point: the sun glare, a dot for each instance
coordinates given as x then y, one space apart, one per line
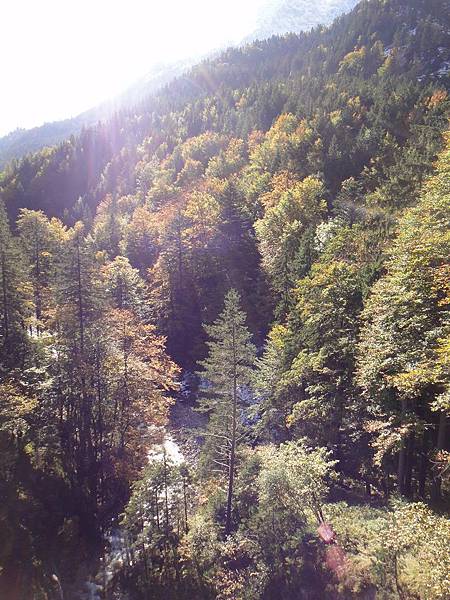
69 56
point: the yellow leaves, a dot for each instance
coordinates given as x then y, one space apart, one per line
203 212
58 230
280 183
277 336
310 194
437 98
192 170
15 405
228 161
203 147
325 278
77 230
282 144
143 233
281 228
130 336
255 138
139 375
336 117
357 108
304 201
303 132
160 193
405 341
285 124
441 283
353 61
410 382
215 186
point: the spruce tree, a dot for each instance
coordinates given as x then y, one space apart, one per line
15 299
227 371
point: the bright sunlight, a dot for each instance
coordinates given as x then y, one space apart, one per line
102 47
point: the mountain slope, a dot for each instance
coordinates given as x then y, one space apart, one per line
23 141
284 170
277 17
272 75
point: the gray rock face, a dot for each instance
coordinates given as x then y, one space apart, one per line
278 17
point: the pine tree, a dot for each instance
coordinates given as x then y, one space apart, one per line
80 303
15 298
274 406
227 371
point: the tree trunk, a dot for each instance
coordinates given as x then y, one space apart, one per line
166 495
410 446
5 299
402 456
186 528
440 445
233 441
423 467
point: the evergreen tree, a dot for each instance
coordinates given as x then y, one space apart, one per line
227 372
15 299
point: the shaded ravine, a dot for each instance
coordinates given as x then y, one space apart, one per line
116 556
173 438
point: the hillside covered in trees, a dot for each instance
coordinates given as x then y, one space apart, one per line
253 264
272 17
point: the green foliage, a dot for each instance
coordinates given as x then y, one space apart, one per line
227 371
285 236
231 355
318 383
406 322
294 172
293 478
15 298
125 287
273 408
279 491
400 551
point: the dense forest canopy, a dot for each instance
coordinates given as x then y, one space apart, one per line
258 257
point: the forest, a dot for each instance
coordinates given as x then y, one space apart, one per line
225 330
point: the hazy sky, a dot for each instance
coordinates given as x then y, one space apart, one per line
61 57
